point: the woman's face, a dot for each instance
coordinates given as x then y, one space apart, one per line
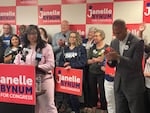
72 38
15 41
97 38
32 36
90 34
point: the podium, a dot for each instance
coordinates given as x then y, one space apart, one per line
17 88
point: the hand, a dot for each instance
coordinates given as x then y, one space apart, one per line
103 68
66 64
68 67
108 49
142 27
61 42
98 59
112 56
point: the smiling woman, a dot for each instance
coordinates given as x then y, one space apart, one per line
12 50
73 56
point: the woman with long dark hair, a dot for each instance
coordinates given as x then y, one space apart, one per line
40 54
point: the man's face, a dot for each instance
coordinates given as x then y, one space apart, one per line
6 29
119 32
64 27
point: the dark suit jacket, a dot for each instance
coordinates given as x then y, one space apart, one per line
129 75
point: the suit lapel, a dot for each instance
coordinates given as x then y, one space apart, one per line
128 43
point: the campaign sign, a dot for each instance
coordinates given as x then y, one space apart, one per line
133 28
146 11
80 28
99 13
26 2
69 80
17 84
109 70
73 1
8 15
49 14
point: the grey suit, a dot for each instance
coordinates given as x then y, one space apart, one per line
129 80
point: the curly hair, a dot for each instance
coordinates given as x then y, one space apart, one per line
78 38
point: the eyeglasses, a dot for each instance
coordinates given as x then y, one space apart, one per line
72 36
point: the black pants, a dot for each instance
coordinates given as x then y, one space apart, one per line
86 86
94 80
147 100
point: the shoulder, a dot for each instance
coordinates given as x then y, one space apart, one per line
47 47
81 47
135 39
57 34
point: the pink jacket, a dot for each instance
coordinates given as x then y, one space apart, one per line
46 63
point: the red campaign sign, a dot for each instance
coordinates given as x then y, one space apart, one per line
17 84
109 70
73 1
50 14
79 28
69 81
146 12
26 2
8 15
133 28
99 13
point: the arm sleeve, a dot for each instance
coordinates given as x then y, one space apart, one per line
48 58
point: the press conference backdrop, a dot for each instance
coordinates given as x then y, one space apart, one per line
81 14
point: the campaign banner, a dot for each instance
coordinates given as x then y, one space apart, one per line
73 1
146 11
69 80
8 15
78 28
49 14
99 13
26 2
17 84
133 28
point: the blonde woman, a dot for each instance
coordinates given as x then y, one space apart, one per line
74 56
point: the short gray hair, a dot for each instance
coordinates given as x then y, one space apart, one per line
102 33
92 28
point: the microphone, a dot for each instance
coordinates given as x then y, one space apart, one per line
38 57
13 51
20 48
25 51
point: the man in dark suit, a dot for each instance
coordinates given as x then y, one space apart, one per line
127 50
